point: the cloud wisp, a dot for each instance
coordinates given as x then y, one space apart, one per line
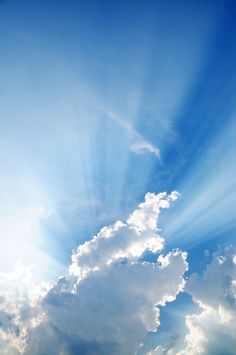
139 145
142 146
111 299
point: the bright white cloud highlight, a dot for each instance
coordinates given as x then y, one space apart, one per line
123 240
112 298
212 330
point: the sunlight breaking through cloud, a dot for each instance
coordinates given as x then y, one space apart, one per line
112 298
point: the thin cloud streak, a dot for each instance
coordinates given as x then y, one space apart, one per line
140 145
143 146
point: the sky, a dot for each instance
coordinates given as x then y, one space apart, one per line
118 175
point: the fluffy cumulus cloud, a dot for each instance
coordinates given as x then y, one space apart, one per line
212 330
20 299
111 299
123 240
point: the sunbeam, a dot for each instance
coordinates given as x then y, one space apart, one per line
117 184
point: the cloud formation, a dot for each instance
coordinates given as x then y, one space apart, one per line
123 240
110 301
212 330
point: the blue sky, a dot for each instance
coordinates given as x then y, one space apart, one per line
101 103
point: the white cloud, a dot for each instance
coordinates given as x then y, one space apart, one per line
118 304
123 240
142 146
212 330
20 299
112 298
